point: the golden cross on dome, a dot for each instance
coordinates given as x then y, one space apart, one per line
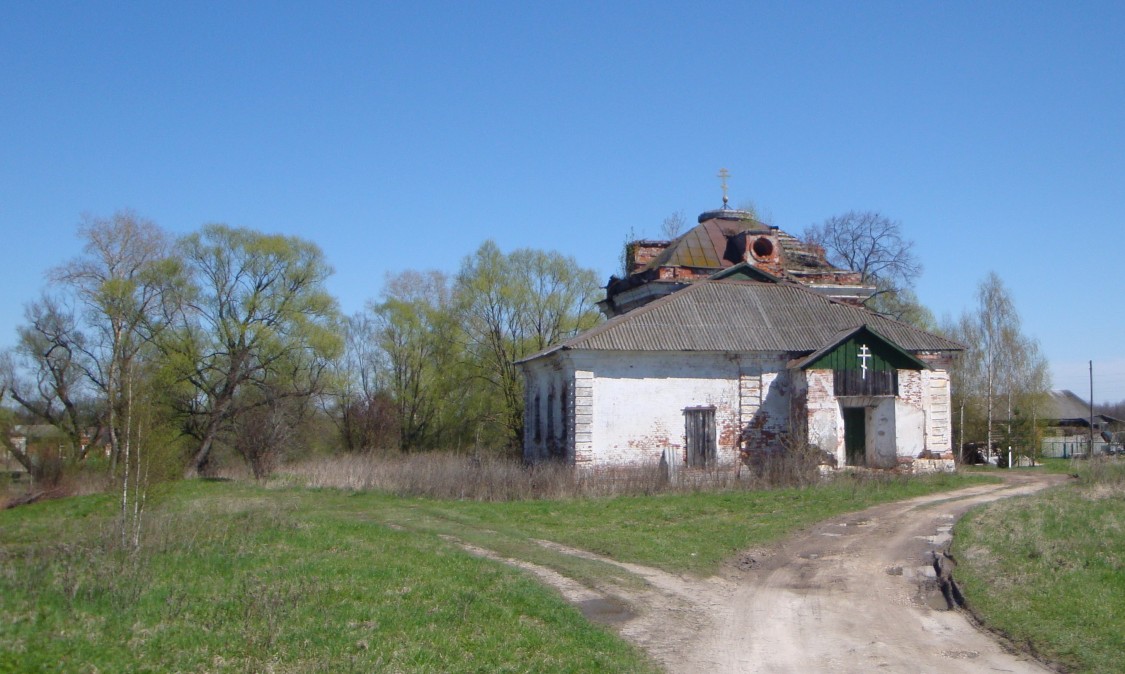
724 174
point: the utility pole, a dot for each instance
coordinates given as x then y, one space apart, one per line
1090 454
961 449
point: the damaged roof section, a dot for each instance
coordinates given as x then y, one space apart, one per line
723 239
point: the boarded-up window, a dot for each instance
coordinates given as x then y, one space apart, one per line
699 432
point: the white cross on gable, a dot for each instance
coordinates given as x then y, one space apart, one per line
863 355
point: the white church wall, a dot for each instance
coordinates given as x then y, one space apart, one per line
638 401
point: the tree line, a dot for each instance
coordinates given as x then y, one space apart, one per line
155 353
164 351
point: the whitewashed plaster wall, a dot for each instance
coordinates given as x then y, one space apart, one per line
923 410
881 429
939 407
939 420
768 388
910 410
898 429
637 402
613 408
825 420
882 432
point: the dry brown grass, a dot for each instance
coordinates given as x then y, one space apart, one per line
447 475
1102 477
24 491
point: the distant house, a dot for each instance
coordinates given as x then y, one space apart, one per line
708 371
35 440
29 438
1068 423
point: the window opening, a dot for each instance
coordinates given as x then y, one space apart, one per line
762 247
536 421
562 415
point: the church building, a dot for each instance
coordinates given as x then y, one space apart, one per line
737 340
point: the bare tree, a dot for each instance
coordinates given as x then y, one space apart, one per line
673 225
359 405
873 245
121 282
267 431
45 372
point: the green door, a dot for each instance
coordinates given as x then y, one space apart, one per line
855 435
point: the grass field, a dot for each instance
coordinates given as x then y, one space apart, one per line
1049 570
234 577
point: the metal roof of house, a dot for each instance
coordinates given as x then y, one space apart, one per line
1065 405
744 316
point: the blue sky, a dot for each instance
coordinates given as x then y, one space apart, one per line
402 135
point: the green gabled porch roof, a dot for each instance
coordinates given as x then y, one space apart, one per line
890 352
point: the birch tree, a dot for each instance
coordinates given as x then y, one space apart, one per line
1002 374
122 282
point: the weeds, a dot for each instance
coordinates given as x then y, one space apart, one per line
1104 472
445 475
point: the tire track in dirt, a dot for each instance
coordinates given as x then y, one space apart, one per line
856 593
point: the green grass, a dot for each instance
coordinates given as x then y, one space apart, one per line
235 578
1064 466
1049 569
691 533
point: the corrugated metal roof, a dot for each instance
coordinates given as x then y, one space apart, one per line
1065 405
744 316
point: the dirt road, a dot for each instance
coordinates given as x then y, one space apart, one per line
854 594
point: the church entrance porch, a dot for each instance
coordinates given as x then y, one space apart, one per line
867 426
